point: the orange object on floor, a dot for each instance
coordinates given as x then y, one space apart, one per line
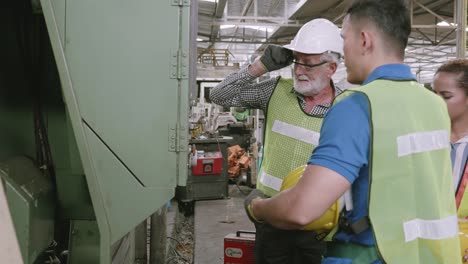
238 161
235 149
232 160
244 160
233 171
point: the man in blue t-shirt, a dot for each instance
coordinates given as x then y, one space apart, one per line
374 44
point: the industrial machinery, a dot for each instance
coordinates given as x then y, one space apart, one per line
94 136
207 177
213 129
205 117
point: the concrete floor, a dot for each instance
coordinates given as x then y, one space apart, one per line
214 219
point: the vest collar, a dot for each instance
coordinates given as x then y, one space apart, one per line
397 72
462 140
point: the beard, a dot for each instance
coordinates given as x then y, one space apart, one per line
309 88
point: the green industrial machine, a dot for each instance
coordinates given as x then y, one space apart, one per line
94 97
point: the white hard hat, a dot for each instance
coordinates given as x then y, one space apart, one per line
316 37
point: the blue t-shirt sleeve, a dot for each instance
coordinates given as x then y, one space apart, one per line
345 137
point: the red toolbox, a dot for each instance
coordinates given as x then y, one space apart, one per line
239 248
208 163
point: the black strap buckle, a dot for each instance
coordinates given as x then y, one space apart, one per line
357 227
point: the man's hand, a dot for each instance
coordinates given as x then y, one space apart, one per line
276 57
254 194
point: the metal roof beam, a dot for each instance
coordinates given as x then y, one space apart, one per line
219 11
220 6
255 24
429 11
460 10
434 5
247 42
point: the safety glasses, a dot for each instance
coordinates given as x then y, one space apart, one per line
309 67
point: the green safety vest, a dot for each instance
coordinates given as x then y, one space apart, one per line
290 136
411 202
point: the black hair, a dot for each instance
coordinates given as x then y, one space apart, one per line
390 17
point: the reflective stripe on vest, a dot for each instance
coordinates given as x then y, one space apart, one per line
431 229
299 133
411 203
290 137
422 141
270 181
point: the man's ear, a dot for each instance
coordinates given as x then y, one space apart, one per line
367 41
332 67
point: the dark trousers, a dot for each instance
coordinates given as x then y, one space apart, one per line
275 246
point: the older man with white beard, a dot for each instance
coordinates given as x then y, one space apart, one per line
294 112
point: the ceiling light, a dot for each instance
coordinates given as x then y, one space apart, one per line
213 1
268 29
445 24
226 26
199 39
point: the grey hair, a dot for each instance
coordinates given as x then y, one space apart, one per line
331 56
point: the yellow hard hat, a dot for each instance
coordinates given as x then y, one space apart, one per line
329 219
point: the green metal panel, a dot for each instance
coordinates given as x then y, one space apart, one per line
187 43
84 242
119 58
76 166
19 85
72 189
75 118
123 251
59 10
73 196
126 201
124 66
20 215
31 199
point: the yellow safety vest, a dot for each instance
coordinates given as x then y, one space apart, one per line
411 202
290 136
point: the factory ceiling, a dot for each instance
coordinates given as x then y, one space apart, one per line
243 28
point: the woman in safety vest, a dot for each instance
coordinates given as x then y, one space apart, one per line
451 83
